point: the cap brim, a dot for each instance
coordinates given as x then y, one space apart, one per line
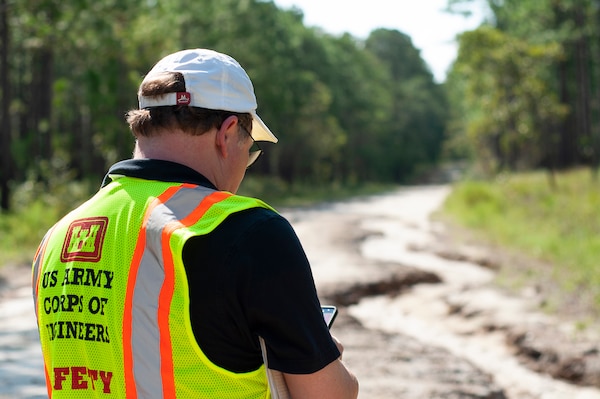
260 131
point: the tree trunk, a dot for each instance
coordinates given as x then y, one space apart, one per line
583 90
595 100
41 102
6 171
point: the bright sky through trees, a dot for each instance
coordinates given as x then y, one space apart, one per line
431 28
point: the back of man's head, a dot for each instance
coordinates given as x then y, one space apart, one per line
194 90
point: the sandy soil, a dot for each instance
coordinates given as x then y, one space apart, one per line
420 314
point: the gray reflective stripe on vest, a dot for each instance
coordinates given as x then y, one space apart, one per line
149 281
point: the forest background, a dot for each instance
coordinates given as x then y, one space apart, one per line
523 95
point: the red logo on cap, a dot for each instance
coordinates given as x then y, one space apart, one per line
184 98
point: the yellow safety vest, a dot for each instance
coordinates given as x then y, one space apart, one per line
112 299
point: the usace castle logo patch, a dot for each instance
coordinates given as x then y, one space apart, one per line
84 240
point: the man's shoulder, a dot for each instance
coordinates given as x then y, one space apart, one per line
246 230
254 226
255 218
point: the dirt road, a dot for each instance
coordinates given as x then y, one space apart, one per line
422 318
415 323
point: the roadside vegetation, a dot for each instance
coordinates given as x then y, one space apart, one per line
556 223
37 206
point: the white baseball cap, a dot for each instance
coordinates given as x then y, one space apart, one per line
214 81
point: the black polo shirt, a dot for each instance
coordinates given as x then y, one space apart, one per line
249 277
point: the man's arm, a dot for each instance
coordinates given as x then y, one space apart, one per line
288 315
333 381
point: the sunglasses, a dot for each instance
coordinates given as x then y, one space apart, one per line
254 152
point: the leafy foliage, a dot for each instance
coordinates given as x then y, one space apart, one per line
524 88
418 106
76 64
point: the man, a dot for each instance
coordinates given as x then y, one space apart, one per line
165 283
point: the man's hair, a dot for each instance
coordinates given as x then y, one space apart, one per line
193 120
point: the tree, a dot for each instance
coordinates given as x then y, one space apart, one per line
553 82
330 99
6 171
574 76
508 108
416 122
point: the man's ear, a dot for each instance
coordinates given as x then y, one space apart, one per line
225 134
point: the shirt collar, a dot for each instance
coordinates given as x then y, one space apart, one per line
155 169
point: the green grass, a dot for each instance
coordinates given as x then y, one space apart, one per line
35 209
21 232
560 225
